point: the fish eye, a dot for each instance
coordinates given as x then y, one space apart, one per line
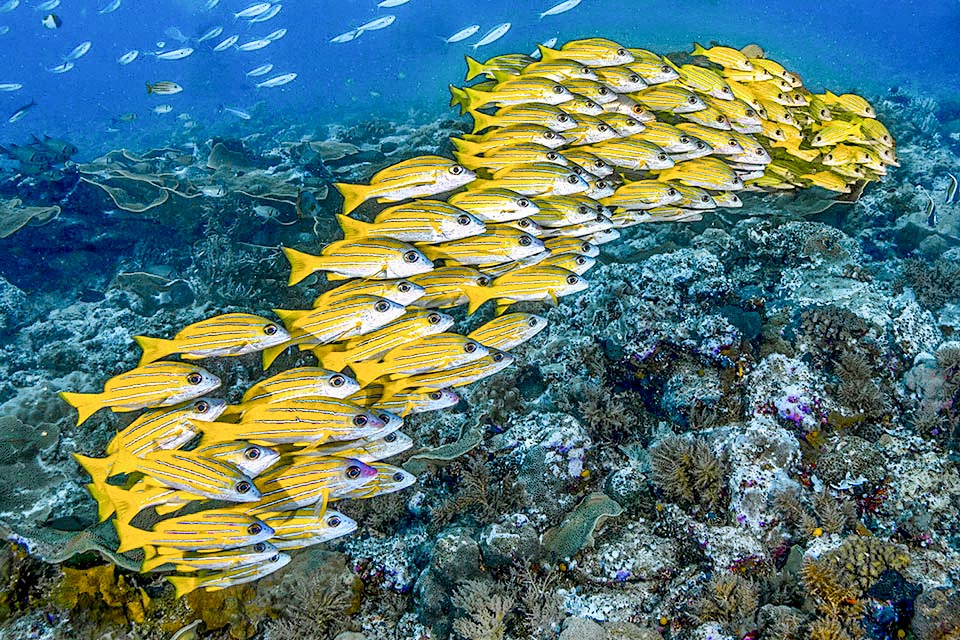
353 472
275 558
602 91
720 119
622 52
390 437
403 287
732 142
552 155
573 178
684 139
270 329
434 395
580 260
523 202
585 71
525 241
333 522
532 322
671 191
252 453
549 135
557 88
602 127
462 221
433 318
661 156
337 381
254 529
736 180
523 223
202 407
601 184
780 95
779 132
194 378
470 347
760 151
563 118
787 116
585 247
384 417
572 279
243 487
631 122
704 198
456 169
411 256
638 109
497 357
382 306
818 139
829 156
483 281
725 89
633 77
701 145
359 420
750 113
582 210
590 104
665 69
398 477
259 547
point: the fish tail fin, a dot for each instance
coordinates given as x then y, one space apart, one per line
466 146
330 358
474 68
153 348
105 504
232 410
366 372
353 194
149 88
183 584
353 228
470 162
149 564
458 97
97 468
86 404
476 296
391 388
289 316
301 264
481 120
125 505
547 54
698 49
130 537
272 353
124 461
500 75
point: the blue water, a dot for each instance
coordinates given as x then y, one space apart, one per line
863 46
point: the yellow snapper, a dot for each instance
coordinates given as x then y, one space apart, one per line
307 421
547 115
559 70
575 262
562 245
302 528
772 67
365 450
851 103
213 560
654 71
416 400
230 334
412 325
250 459
445 286
559 211
724 56
377 258
588 162
299 382
632 153
708 172
620 79
727 200
623 125
509 62
591 89
218 580
834 133
413 178
204 531
534 283
828 180
741 115
159 384
167 428
414 224
694 197
509 330
142 495
539 178
403 292
580 106
494 205
590 130
514 134
439 351
668 137
709 117
510 156
704 81
520 90
307 481
593 52
389 479
492 247
876 131
643 194
490 364
671 99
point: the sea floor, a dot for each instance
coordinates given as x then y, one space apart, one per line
748 427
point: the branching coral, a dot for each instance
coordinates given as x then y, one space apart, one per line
318 608
730 600
689 472
827 514
484 611
934 284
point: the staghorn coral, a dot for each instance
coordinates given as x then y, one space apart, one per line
827 629
934 284
689 472
732 601
484 611
826 514
318 609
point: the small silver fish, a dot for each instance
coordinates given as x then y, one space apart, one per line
175 54
377 24
276 35
128 57
346 36
22 111
210 34
61 68
240 113
278 81
493 35
110 8
260 71
254 45
79 51
253 10
227 43
266 15
463 34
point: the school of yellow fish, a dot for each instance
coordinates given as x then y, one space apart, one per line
566 150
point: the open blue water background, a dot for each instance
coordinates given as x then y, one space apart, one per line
867 46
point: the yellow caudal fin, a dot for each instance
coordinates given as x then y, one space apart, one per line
698 49
547 54
466 146
183 584
289 316
130 537
124 461
503 304
125 504
366 372
231 411
301 264
353 229
330 358
477 296
154 562
392 388
153 348
354 195
458 98
105 507
481 121
272 353
470 162
99 470
86 404
500 75
474 68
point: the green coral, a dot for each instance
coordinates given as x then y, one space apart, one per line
577 529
